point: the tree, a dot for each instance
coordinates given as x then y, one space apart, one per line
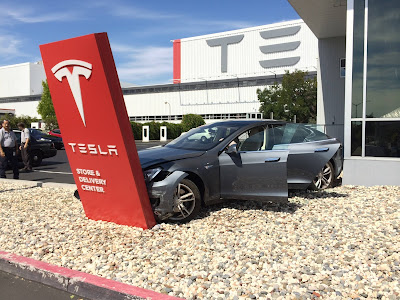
46 109
190 121
297 95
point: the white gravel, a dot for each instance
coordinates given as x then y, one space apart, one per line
341 243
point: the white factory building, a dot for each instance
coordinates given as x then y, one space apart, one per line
215 75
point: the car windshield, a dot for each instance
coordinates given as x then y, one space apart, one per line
38 134
204 137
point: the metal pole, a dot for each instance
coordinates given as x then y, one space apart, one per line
169 106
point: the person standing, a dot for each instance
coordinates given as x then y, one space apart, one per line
25 147
8 150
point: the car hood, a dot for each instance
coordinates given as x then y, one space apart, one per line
149 157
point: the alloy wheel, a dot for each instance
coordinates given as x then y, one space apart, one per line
185 202
324 178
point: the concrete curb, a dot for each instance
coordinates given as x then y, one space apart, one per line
75 282
40 183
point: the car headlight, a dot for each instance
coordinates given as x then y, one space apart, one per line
150 174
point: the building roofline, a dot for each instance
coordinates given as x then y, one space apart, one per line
181 87
243 30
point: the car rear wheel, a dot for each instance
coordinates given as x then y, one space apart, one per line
37 158
324 179
187 201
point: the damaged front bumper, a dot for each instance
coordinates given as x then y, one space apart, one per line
164 191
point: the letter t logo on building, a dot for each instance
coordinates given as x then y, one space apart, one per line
224 42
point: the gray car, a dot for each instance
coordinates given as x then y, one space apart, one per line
246 160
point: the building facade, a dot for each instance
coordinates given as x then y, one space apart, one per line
216 75
366 32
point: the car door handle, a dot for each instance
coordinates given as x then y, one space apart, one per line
272 159
321 149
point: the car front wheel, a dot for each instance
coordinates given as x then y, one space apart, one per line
324 179
37 158
187 201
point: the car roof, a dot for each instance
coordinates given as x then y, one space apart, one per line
249 122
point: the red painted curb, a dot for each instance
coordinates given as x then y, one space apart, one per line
77 276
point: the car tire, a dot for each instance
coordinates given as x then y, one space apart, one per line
76 195
37 158
188 201
324 179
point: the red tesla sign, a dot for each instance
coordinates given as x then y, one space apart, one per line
95 127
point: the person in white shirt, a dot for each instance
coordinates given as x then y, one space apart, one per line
25 147
8 150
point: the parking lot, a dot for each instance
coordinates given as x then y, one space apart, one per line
57 169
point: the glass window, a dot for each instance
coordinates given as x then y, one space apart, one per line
383 66
292 134
252 140
356 136
382 139
204 137
358 59
342 67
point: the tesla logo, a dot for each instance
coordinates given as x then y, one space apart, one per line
79 67
223 43
269 34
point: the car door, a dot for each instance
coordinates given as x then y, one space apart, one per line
253 173
309 151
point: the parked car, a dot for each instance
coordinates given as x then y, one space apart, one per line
244 159
40 148
58 142
203 136
55 132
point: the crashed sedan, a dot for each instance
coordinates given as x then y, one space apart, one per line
242 160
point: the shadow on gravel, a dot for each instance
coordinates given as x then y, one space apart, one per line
286 207
18 189
317 194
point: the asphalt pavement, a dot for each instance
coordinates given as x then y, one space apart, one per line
57 169
13 287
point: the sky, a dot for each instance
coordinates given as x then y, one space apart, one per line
140 32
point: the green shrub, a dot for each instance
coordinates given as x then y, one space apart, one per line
137 130
173 130
27 120
191 121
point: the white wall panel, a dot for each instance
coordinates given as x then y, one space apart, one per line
23 108
37 75
201 62
215 101
219 101
15 80
21 80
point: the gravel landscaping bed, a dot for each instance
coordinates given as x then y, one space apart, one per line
340 243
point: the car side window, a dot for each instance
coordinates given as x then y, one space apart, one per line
284 134
251 140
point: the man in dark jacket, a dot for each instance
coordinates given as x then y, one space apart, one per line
8 150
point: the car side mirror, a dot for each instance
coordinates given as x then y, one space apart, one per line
231 149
